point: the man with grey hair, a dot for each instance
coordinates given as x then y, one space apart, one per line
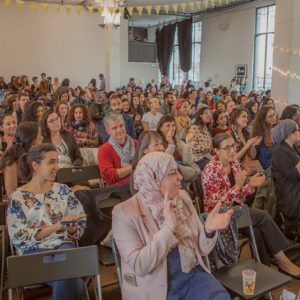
115 156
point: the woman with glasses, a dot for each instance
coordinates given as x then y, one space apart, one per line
265 120
199 138
223 180
67 148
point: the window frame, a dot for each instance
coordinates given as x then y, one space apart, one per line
267 33
191 73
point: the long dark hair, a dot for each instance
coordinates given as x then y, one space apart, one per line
26 134
260 126
199 120
30 110
44 126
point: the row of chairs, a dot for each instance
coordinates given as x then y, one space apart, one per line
70 266
230 276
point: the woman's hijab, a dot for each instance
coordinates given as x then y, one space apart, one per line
148 176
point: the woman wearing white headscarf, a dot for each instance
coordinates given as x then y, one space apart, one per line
161 239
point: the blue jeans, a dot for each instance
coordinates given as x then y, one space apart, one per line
68 289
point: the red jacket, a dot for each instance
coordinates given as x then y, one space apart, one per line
108 163
217 187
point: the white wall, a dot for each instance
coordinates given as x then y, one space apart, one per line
65 46
58 44
228 40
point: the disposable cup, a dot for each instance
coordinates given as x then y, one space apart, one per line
249 277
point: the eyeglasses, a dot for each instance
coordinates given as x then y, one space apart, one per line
51 121
229 147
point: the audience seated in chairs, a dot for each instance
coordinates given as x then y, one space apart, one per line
67 148
224 181
28 134
37 209
115 156
158 233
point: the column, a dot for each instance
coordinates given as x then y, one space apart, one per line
286 59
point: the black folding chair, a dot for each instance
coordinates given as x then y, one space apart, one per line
77 174
267 279
74 263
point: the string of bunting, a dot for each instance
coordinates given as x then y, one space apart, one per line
186 7
286 73
286 50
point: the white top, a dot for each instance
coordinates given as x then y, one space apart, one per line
152 119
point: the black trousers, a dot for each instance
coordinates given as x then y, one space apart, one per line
269 239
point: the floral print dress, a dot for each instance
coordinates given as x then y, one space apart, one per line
28 213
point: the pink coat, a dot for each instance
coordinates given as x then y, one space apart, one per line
144 249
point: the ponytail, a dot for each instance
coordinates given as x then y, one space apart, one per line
24 168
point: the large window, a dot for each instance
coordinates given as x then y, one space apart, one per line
263 52
176 74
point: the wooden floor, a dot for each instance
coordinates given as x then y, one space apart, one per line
108 274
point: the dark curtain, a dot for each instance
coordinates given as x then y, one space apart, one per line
185 32
165 43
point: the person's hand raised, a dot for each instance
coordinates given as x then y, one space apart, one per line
170 219
169 136
257 180
216 220
240 178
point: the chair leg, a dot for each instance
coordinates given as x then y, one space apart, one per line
10 294
99 287
86 290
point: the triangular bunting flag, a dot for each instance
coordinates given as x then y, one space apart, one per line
68 9
79 10
7 3
20 4
167 8
32 6
198 5
44 7
157 9
149 9
191 6
183 7
121 10
175 7
140 10
90 9
100 10
111 10
130 11
56 8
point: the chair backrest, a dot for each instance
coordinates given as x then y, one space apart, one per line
244 220
33 269
77 174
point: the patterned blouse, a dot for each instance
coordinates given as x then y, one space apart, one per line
86 136
200 140
216 185
28 213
